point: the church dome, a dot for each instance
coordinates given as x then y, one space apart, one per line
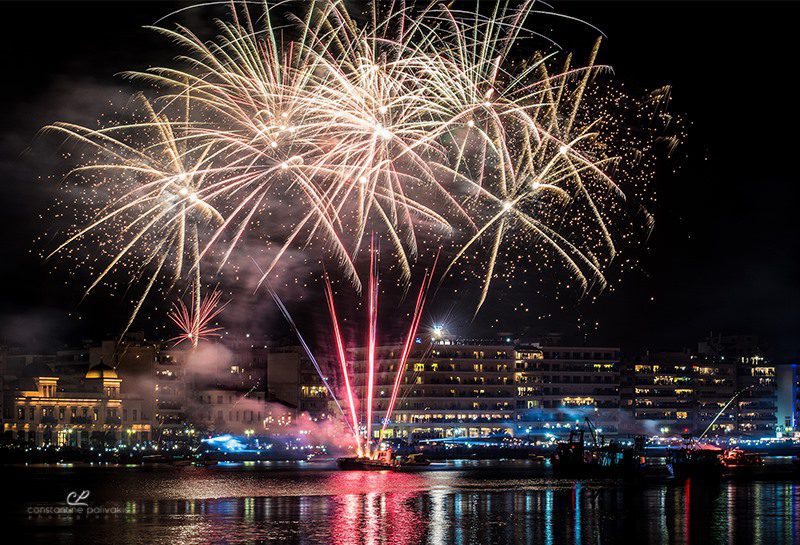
101 370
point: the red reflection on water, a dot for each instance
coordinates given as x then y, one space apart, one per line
375 507
687 515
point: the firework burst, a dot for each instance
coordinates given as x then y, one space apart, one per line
194 321
422 127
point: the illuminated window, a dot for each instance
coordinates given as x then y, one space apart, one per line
578 401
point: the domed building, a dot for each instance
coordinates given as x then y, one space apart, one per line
91 410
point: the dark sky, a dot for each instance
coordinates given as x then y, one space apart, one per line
724 252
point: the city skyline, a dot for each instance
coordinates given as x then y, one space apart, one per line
450 389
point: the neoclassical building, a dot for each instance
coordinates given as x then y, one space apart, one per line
43 408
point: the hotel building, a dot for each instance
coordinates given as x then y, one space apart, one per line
659 390
473 389
726 386
561 386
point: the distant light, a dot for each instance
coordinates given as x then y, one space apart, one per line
536 185
183 191
383 109
563 149
284 166
470 123
363 179
507 205
273 144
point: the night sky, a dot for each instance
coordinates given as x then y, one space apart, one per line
723 256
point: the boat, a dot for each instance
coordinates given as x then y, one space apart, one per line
697 460
600 458
351 463
736 458
737 463
381 462
701 460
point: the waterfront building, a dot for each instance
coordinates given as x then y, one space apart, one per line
659 393
471 389
167 378
237 411
293 381
450 388
726 387
41 408
754 408
561 386
135 358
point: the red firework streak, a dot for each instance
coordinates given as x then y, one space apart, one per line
412 333
373 326
342 361
365 449
194 322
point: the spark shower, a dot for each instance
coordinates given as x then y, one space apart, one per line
408 140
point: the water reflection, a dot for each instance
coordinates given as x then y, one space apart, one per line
462 508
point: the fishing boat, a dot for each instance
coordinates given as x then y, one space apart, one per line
600 458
